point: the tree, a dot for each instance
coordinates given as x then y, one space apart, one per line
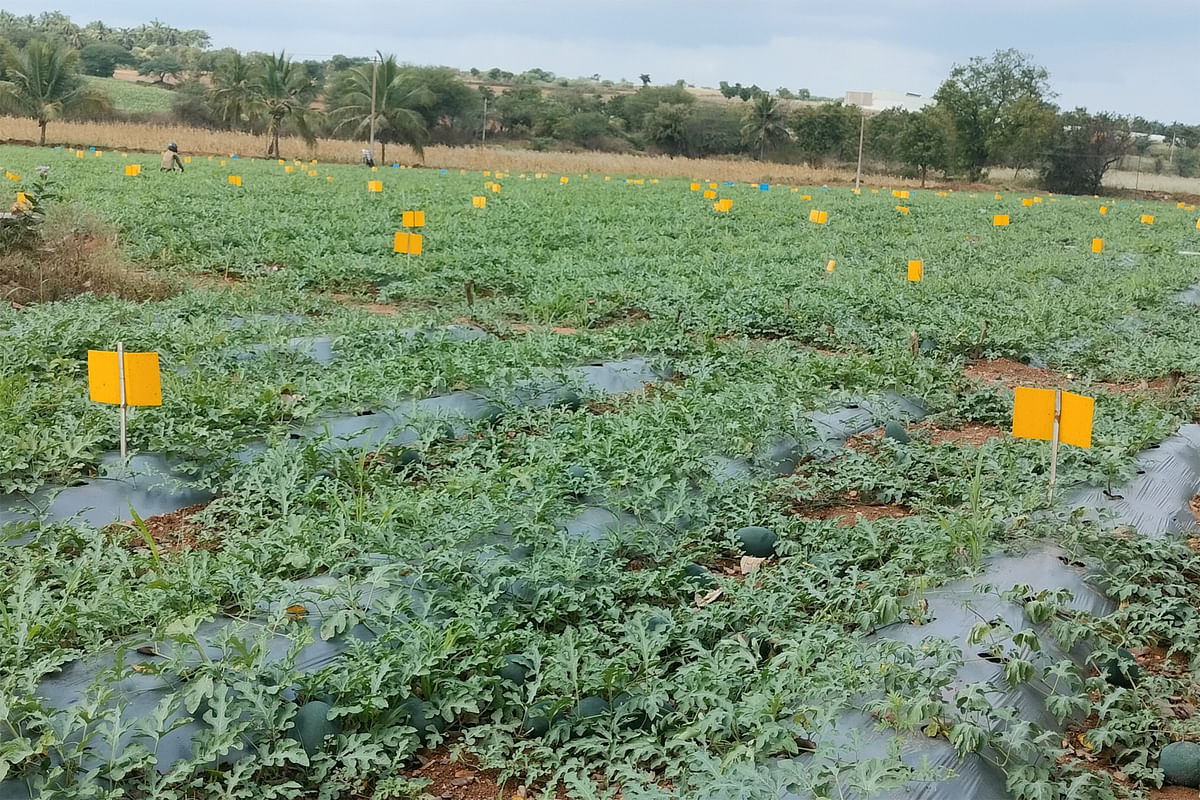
923 145
232 94
397 116
982 99
784 93
1084 148
633 108
43 82
827 130
282 92
1023 140
163 61
667 127
102 58
645 78
764 125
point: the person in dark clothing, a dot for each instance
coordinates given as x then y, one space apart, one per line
171 159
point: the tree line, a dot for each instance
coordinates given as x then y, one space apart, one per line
990 113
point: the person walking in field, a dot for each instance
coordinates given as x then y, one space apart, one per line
171 159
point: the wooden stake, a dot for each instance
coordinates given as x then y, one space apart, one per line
914 343
1054 442
470 289
121 383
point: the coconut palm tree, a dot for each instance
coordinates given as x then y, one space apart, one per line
232 92
42 82
764 124
396 116
282 91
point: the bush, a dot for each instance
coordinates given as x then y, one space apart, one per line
102 59
72 252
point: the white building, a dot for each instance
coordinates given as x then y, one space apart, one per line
883 99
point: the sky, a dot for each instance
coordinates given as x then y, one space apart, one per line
1100 53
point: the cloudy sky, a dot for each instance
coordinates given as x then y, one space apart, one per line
1101 54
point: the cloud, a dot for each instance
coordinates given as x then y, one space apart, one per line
1099 53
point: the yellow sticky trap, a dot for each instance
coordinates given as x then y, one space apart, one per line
222 163
1198 224
586 176
564 179
712 186
487 173
1027 201
280 162
795 189
943 194
724 204
289 168
143 386
806 197
236 180
312 173
916 271
608 177
1097 245
1033 416
829 267
1103 209
407 243
99 153
695 187
857 191
313 162
479 202
903 210
79 154
819 217
1147 219
495 188
413 219
374 169
1037 199
12 176
1000 220
375 186
23 201
874 191
187 159
709 194
328 177
133 169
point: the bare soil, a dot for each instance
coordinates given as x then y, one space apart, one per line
174 532
465 779
970 434
1012 374
849 514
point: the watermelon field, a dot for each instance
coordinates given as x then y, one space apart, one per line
604 494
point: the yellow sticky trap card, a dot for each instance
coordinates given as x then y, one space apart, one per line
1000 220
564 179
1147 219
916 271
1097 245
1027 202
479 201
133 169
806 197
903 210
695 187
375 186
409 243
143 385
1033 416
289 169
1103 209
413 219
236 180
709 194
495 188
829 267
819 217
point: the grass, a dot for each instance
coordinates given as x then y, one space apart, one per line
134 98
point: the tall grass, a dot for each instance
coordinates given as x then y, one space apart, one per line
198 141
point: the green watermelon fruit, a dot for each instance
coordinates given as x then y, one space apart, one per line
514 670
757 541
311 725
1180 763
894 430
1122 670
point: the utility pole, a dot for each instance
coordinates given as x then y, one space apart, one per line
862 129
374 78
483 133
